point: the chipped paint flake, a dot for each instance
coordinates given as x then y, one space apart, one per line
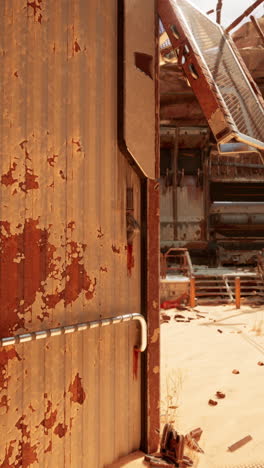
8 179
60 430
155 335
77 391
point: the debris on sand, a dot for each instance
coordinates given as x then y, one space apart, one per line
239 443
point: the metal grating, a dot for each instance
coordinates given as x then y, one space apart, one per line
238 101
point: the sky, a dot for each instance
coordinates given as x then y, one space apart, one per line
231 9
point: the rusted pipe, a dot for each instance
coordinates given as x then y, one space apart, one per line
246 13
192 292
218 11
78 327
238 292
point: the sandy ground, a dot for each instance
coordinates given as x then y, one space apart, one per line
197 360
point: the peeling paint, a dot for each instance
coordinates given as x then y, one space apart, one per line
27 453
77 391
5 356
30 182
8 179
156 369
49 418
155 335
28 261
49 448
60 430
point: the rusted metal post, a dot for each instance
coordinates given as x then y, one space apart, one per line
192 292
246 13
238 292
174 182
218 11
258 28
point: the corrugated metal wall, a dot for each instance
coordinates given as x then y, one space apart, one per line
67 401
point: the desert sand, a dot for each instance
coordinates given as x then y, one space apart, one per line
197 360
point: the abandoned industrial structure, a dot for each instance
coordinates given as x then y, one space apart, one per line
132 173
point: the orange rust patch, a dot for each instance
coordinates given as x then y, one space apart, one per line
49 448
28 260
30 182
49 417
8 455
77 391
60 430
8 179
26 455
5 356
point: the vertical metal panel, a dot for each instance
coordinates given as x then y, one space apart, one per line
63 238
140 82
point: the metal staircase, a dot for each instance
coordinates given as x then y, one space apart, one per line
212 289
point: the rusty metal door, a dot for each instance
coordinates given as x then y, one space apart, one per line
70 399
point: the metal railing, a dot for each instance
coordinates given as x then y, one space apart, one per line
79 327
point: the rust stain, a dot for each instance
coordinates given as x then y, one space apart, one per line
52 159
49 417
23 143
4 402
8 179
8 455
60 430
77 391
100 233
103 269
5 356
36 6
135 362
62 175
115 249
16 74
27 454
71 225
49 448
203 229
26 259
76 47
77 143
30 182
77 279
130 258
